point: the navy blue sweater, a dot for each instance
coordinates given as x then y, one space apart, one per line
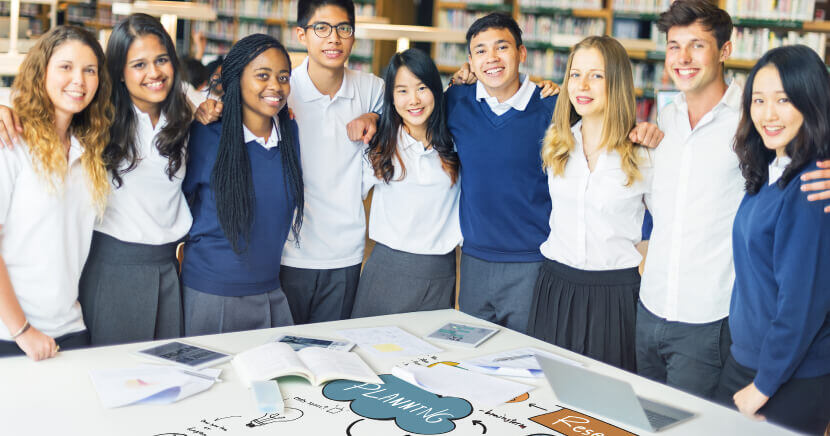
210 264
505 204
780 310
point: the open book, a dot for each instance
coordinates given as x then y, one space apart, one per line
317 365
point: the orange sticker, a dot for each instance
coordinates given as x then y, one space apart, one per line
520 398
572 423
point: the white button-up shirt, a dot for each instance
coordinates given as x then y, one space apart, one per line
418 214
334 222
518 101
273 139
148 207
696 192
45 232
596 220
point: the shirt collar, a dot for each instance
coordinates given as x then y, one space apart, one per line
731 99
76 149
273 140
777 167
145 122
308 92
407 141
518 101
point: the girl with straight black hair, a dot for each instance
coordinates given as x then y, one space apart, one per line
413 168
779 316
245 189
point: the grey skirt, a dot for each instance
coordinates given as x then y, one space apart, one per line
130 292
208 314
395 281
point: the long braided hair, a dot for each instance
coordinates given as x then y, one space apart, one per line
231 179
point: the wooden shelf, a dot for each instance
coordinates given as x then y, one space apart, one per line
499 7
816 26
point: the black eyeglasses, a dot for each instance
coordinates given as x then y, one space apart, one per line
323 29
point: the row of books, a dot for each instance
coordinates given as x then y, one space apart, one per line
26 9
641 6
543 28
457 18
548 64
801 10
560 4
753 42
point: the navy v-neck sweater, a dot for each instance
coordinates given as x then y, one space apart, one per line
505 205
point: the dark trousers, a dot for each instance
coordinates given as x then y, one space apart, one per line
66 342
318 295
685 356
800 404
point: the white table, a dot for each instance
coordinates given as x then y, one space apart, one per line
56 397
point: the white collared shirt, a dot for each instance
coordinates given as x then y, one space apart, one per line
695 194
777 167
148 207
273 139
596 220
45 232
334 222
418 214
518 101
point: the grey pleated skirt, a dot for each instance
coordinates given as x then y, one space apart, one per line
130 292
395 281
590 312
208 314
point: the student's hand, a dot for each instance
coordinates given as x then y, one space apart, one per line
549 88
363 128
10 127
646 134
37 345
749 400
818 186
209 111
464 76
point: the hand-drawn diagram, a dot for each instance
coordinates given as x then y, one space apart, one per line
289 414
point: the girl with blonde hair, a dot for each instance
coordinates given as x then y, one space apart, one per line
52 188
585 297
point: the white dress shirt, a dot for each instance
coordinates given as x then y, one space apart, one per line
596 220
45 233
273 139
334 222
696 192
518 101
777 167
148 207
418 214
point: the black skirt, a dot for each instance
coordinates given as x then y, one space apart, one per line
592 313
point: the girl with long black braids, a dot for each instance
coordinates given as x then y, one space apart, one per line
245 190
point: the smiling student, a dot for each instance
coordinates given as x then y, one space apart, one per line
413 169
779 366
53 186
585 297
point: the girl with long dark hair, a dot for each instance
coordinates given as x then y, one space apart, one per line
779 316
245 189
413 168
130 288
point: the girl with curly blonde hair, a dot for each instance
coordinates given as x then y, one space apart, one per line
52 188
586 294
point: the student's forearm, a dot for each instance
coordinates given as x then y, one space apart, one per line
10 311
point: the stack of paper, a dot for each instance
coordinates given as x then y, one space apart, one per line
456 382
391 342
150 384
514 363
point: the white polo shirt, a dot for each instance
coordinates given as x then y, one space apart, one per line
418 214
45 234
695 195
334 222
518 101
596 220
148 207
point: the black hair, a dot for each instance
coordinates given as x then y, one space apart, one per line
172 138
688 12
807 85
231 178
307 8
383 146
495 20
197 73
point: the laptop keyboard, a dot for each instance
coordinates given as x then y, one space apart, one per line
658 420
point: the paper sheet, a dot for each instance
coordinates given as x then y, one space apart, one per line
152 384
520 362
451 381
389 342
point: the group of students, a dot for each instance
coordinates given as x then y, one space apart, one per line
546 195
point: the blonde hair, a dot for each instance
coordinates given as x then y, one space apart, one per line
619 115
37 114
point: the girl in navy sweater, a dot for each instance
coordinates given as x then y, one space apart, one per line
779 368
245 190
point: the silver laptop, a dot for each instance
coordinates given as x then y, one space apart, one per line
579 387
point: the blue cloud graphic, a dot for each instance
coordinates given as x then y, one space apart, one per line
413 409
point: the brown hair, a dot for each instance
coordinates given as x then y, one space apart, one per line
688 12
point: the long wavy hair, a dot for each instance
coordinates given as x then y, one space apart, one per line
619 115
231 178
383 147
807 85
172 138
37 114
